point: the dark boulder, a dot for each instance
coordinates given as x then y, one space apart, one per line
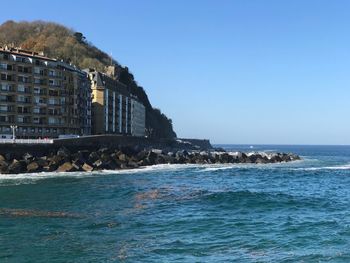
151 158
104 150
9 156
93 157
123 157
17 167
3 166
132 164
141 155
63 152
27 157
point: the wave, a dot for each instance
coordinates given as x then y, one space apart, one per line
26 178
267 166
335 167
245 199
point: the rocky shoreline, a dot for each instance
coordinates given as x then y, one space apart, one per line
63 160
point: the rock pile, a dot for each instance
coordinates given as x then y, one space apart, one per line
112 159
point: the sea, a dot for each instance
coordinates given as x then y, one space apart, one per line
288 212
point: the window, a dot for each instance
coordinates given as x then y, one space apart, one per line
36 90
20 59
20 88
20 98
39 81
23 79
39 100
5 87
6 77
53 101
53 120
3 108
39 71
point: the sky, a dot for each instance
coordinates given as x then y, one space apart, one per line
238 71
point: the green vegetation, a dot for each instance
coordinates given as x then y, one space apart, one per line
60 42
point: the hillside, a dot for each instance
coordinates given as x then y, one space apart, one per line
60 42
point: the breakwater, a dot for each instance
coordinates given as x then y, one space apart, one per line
94 142
66 159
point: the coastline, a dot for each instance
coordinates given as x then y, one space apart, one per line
118 157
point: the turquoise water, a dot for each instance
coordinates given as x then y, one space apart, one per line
294 212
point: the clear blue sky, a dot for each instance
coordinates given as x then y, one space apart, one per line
248 71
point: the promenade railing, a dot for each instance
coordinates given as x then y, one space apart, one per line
26 141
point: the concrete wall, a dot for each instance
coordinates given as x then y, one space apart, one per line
93 143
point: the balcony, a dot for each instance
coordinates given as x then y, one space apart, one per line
27 101
5 77
7 99
22 70
7 119
40 82
6 67
8 110
54 93
24 91
23 111
23 79
6 89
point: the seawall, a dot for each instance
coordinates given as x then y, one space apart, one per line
96 142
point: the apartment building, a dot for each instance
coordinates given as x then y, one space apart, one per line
114 109
43 97
138 118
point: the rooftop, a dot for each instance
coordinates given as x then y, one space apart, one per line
24 52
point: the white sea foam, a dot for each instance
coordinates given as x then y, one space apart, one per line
335 167
153 168
27 178
218 167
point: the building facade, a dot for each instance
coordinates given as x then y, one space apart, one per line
43 97
138 118
114 109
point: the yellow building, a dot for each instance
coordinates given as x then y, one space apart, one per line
114 109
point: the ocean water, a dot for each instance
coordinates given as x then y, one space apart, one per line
290 212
